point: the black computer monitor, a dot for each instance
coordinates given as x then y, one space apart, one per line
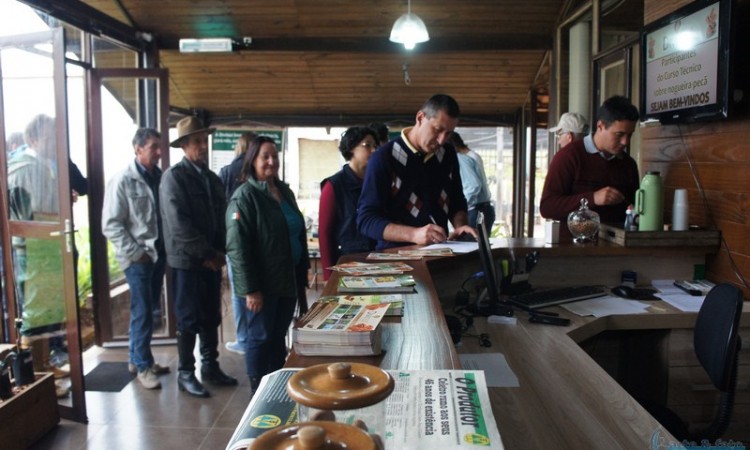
489 303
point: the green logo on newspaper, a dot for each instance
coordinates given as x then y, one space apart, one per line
266 421
476 439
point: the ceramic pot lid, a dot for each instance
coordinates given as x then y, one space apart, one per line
340 386
315 436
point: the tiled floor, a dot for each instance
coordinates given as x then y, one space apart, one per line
137 418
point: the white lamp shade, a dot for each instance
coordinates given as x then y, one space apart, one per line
409 30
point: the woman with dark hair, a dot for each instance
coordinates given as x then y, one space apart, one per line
267 249
337 219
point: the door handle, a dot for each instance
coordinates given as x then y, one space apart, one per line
68 232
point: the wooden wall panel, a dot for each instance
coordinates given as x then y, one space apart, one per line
711 160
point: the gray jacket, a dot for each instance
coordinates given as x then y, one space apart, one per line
192 216
129 217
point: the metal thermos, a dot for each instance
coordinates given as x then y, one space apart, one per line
649 203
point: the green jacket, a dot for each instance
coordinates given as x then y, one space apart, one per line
258 241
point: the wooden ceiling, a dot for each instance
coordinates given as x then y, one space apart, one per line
330 61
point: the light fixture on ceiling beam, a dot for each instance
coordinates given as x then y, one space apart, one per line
206 45
409 30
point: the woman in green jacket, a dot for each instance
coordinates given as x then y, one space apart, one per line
267 249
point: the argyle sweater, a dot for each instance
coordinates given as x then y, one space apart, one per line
409 188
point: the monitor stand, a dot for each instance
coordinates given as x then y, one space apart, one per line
484 308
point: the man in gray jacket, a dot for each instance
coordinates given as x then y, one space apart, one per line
131 221
192 208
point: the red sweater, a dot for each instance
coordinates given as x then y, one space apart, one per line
575 174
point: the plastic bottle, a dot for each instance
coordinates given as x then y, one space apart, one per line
630 224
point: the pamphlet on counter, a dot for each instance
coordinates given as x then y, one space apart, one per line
428 410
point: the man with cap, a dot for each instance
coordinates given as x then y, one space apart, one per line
597 167
192 209
131 222
571 126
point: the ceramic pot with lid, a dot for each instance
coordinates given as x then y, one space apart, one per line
351 393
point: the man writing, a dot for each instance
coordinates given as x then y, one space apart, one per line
192 208
596 168
412 186
131 221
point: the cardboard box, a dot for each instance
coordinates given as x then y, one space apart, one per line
29 415
692 237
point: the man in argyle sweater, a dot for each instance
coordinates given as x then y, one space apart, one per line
412 186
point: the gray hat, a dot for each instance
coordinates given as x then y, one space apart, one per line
571 122
187 126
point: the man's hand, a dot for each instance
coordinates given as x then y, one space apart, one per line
608 196
145 259
214 263
254 301
429 234
464 229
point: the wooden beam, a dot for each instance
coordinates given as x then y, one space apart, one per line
326 120
383 45
83 16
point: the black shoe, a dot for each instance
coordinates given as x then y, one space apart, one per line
187 382
214 375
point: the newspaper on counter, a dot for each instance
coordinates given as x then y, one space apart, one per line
356 268
428 410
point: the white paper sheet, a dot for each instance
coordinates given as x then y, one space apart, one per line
606 306
456 246
497 372
667 287
684 302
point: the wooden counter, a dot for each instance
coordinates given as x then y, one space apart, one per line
565 399
418 340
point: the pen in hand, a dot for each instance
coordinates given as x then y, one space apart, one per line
432 219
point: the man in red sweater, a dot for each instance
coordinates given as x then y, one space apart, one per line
597 168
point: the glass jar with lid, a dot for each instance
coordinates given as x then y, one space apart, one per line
583 223
351 393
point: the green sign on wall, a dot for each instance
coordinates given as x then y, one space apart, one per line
225 140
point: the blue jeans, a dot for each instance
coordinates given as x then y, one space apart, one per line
265 350
240 311
145 281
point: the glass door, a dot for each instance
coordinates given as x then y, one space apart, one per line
121 101
38 226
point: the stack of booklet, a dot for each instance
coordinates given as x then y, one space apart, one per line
396 301
376 284
331 328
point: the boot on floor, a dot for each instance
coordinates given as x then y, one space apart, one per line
188 383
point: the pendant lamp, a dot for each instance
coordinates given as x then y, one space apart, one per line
409 30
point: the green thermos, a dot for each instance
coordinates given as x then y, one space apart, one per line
649 203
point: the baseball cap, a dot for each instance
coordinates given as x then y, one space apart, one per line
572 122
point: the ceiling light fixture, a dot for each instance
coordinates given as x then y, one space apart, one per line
409 30
208 45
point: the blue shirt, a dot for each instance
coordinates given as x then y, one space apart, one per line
472 178
296 227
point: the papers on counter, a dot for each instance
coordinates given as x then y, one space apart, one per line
677 297
455 246
606 306
497 371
